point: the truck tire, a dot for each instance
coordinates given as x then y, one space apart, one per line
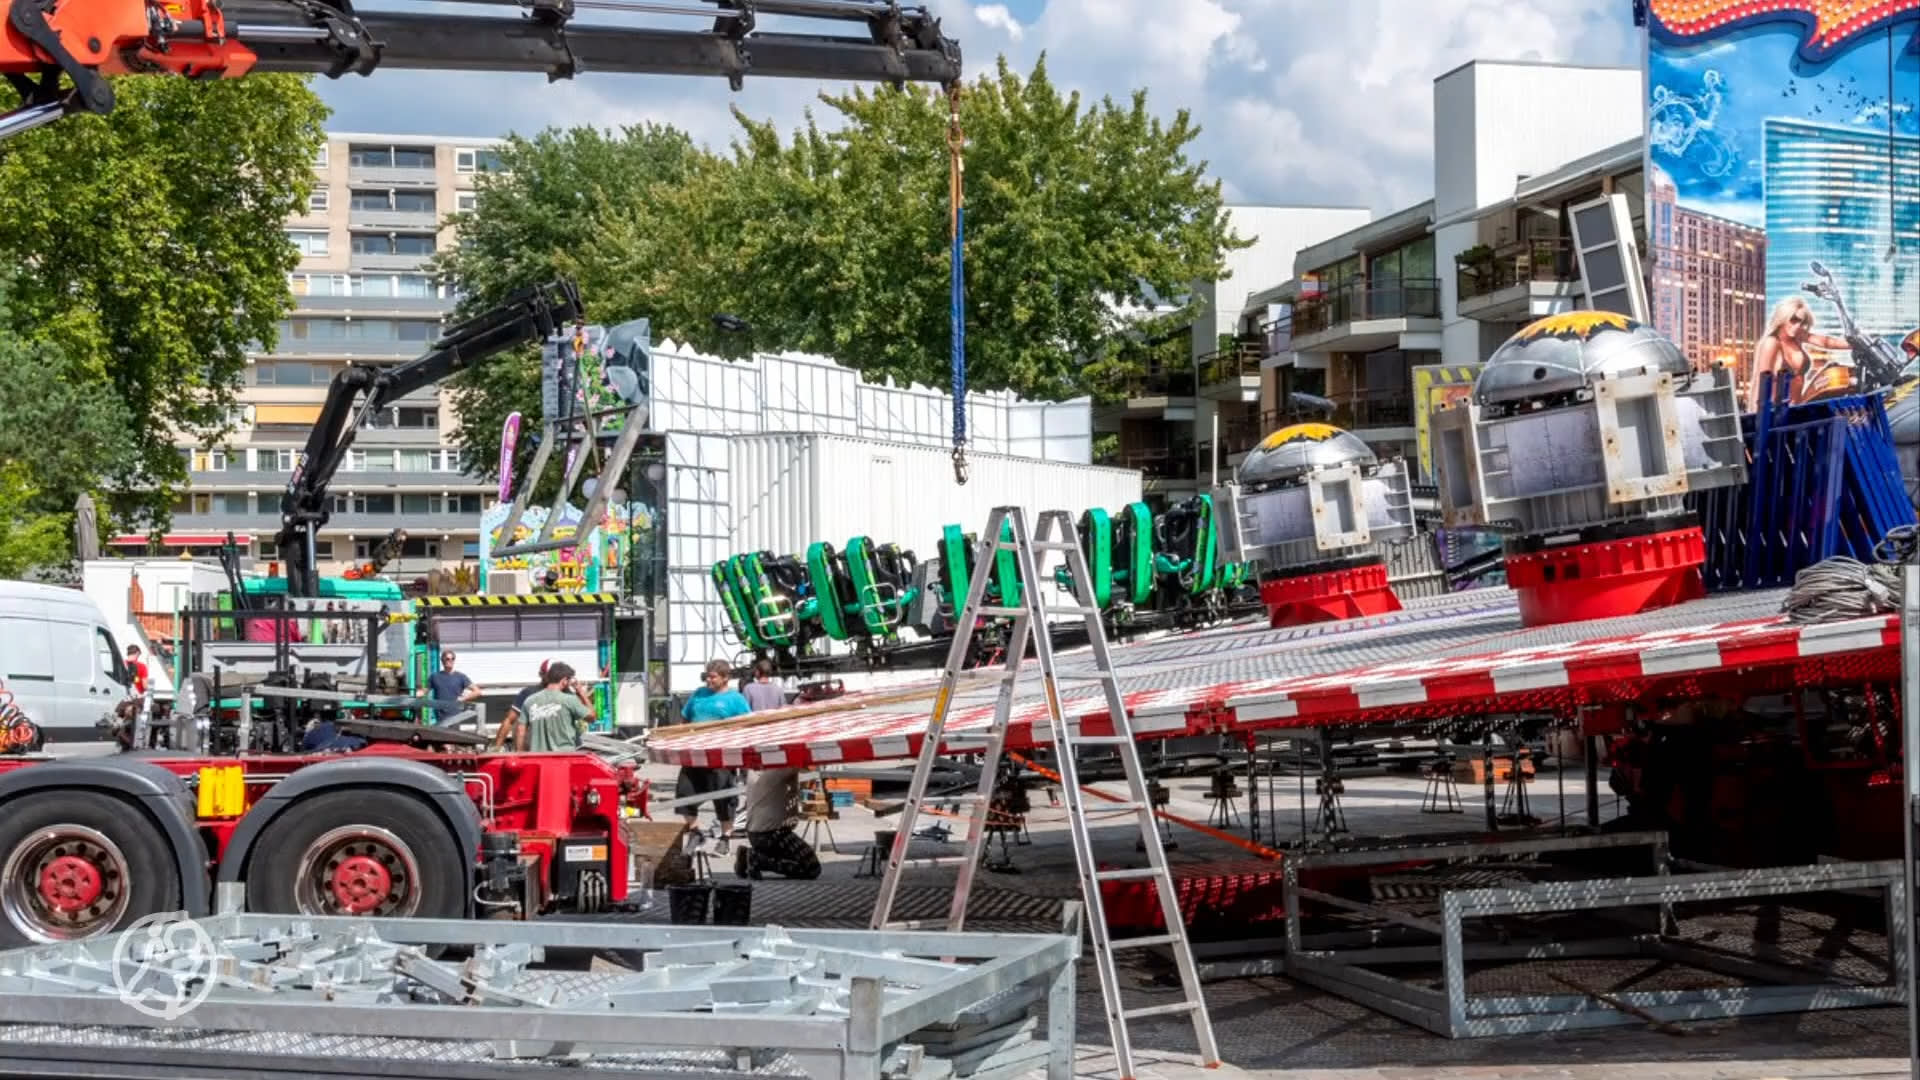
77 864
368 852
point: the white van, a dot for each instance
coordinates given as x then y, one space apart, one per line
59 659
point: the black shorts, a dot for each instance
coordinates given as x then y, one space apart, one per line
694 781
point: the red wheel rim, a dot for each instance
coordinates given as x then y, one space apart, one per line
64 882
358 870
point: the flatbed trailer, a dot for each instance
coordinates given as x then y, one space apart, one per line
88 846
1456 661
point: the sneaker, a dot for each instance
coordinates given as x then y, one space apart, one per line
740 856
720 846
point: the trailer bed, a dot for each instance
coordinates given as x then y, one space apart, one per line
1455 654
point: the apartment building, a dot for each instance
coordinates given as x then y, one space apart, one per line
1177 420
377 213
1440 284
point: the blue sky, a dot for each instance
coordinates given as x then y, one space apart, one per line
1300 101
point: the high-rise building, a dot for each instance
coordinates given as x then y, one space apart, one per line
1832 195
1709 289
362 295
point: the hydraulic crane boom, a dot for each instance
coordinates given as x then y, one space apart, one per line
532 314
84 41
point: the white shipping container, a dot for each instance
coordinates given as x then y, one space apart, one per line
792 489
781 492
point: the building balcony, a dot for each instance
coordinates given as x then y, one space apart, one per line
344 482
1168 393
371 306
426 526
1362 316
1231 374
367 261
346 349
1162 467
1521 283
388 176
1376 414
404 220
1237 439
1278 339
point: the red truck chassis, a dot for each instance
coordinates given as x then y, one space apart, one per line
88 846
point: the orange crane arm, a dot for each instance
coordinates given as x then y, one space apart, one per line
59 53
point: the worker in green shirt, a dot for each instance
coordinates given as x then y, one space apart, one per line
559 713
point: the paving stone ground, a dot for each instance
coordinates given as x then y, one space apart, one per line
1271 1026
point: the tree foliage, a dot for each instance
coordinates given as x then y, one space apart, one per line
29 537
837 241
151 253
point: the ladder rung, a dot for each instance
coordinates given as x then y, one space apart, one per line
1099 740
1055 545
994 612
1169 1009
1116 807
1130 874
1083 612
1143 942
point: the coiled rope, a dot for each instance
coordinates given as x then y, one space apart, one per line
1842 588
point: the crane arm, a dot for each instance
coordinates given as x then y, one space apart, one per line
359 391
58 53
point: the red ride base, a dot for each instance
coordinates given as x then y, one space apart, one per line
1324 597
1609 578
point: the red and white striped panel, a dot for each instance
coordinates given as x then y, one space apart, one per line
880 734
1349 696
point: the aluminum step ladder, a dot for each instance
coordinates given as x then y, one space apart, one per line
1030 625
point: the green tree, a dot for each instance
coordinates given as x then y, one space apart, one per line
29 537
836 242
153 255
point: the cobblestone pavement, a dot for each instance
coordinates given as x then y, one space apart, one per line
1271 1026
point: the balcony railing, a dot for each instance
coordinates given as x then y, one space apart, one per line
1401 298
1374 409
1240 360
1534 260
1236 437
1161 462
1167 382
1279 336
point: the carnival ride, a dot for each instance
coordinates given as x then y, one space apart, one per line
897 611
1738 735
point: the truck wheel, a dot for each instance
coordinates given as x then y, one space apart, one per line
76 864
376 853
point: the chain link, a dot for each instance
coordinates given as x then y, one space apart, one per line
956 192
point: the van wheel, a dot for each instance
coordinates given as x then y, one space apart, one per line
79 864
375 853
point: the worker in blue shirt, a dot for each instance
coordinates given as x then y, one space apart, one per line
716 700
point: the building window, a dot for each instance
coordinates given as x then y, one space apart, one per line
268 549
469 504
419 504
209 461
420 330
284 460
317 200
310 243
467 160
390 157
235 503
194 503
320 158
356 461
291 373
420 549
323 549
414 202
465 201
393 243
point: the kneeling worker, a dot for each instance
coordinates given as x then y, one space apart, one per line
559 713
773 805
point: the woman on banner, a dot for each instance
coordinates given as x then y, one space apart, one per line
1784 351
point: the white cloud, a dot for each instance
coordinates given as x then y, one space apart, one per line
998 17
1300 100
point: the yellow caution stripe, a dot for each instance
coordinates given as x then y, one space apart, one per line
529 600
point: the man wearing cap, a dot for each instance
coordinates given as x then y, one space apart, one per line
511 728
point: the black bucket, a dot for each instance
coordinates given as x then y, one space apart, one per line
732 904
687 904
